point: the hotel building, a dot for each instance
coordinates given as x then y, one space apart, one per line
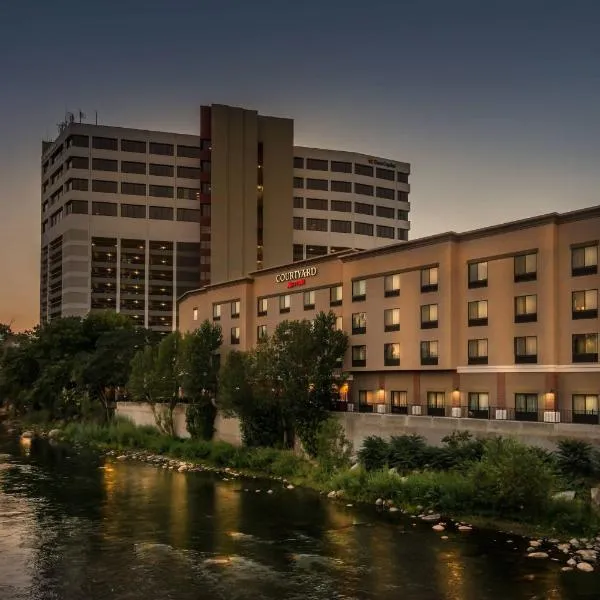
132 219
498 323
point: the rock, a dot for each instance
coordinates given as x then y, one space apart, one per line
332 495
432 517
393 471
588 555
565 569
27 435
568 495
355 467
122 457
290 487
182 469
379 502
564 548
574 542
394 509
585 567
595 496
349 505
535 543
572 562
553 541
465 528
444 537
54 434
538 555
269 491
438 528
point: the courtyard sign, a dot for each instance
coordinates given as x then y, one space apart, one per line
295 277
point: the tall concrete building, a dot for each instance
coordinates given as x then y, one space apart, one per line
132 219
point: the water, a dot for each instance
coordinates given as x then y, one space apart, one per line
73 527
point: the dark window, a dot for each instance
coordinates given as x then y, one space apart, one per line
133 167
429 353
341 205
205 166
106 209
102 143
298 252
317 203
103 164
285 303
387 193
359 356
133 189
341 226
80 185
526 267
585 347
479 405
391 355
133 146
385 232
235 335
341 186
309 300
478 352
161 170
363 228
478 274
188 151
161 213
365 170
402 177
314 251
526 309
365 190
316 164
133 211
317 184
585 408
105 187
188 172
403 215
299 182
403 234
205 210
205 188
363 209
341 167
584 260
188 214
261 332
160 191
298 223
385 211
384 174
77 207
78 141
78 162
335 295
298 163
399 401
188 193
526 407
161 149
526 350
402 196
236 307
298 202
262 305
316 224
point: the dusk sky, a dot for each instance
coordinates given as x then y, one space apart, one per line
495 103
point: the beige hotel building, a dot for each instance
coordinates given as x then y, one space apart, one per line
497 323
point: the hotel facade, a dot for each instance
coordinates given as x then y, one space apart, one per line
498 323
131 219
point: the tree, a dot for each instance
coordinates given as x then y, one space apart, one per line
141 384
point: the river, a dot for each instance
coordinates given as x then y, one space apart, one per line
74 527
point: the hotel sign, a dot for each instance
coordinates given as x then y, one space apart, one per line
296 277
382 163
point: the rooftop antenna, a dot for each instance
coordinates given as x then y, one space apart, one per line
81 115
96 116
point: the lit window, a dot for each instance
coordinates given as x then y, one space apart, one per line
391 285
195 311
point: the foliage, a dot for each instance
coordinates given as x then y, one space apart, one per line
408 452
374 453
578 459
333 449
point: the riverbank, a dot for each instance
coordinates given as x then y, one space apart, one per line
423 497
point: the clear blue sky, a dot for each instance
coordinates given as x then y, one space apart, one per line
496 103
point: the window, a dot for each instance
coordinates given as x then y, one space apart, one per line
133 211
391 355
216 312
133 146
385 211
585 408
298 162
339 323
478 274
78 141
77 207
191 215
133 167
384 174
298 223
235 336
402 215
316 224
188 151
364 190
317 184
363 228
298 202
365 170
477 313
285 303
188 172
526 309
399 402
402 177
403 234
359 356
299 182
526 267
478 352
335 295
402 196
105 209
103 164
261 308
235 309
341 226
309 300
341 167
526 407
391 285
526 350
366 400
429 353
436 402
297 252
429 316
78 162
102 143
133 189
188 193
391 319
584 260
161 213
261 332
104 187
195 314
359 290
316 164
429 279
585 347
585 304
359 323
341 205
382 192
479 405
317 204
345 187
386 232
160 191
161 149
161 170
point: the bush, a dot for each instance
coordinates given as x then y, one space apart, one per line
577 459
200 420
333 449
408 452
572 516
223 454
374 453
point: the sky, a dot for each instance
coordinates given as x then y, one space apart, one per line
495 103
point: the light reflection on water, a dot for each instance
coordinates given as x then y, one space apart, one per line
74 527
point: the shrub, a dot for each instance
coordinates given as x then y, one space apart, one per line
374 453
288 464
408 452
333 449
572 516
577 459
200 420
462 448
223 454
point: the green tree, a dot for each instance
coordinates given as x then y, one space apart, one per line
141 385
